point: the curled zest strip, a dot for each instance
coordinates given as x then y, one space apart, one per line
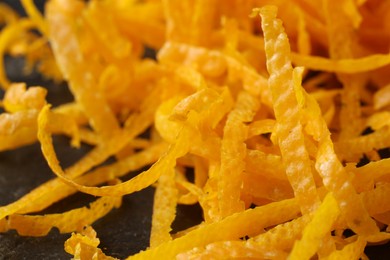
141 181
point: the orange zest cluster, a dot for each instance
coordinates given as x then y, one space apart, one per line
265 101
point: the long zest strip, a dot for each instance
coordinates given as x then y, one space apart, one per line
288 130
73 220
232 227
71 61
342 65
139 182
164 209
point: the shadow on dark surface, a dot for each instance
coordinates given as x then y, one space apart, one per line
15 247
125 231
25 168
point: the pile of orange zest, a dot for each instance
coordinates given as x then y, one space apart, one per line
279 109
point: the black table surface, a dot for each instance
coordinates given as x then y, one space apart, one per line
122 232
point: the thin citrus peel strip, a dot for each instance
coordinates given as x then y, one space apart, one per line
288 129
73 220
